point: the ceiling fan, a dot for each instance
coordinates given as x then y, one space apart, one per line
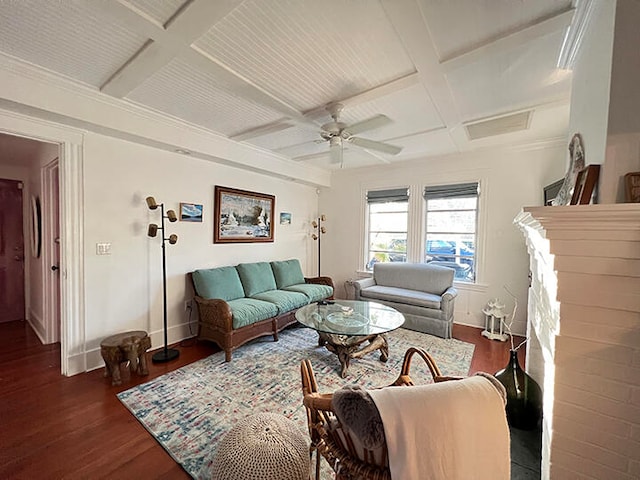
337 133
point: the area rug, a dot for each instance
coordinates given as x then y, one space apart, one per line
189 410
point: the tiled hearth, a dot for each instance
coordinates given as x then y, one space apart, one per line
584 329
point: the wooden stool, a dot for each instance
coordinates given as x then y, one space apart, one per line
125 347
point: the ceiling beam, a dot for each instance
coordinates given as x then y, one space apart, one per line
189 24
261 131
409 23
510 40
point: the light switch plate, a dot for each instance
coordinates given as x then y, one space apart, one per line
103 248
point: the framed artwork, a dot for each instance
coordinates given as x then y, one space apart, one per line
585 186
285 218
632 187
190 212
551 191
241 216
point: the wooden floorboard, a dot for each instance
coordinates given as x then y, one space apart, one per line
76 428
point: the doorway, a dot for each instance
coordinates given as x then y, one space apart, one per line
12 281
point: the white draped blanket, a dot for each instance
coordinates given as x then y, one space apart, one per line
455 430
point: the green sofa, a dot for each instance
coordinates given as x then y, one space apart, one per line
239 303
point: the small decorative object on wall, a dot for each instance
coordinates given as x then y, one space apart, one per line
285 218
317 225
524 395
241 216
190 212
632 187
36 227
576 164
551 191
586 182
494 317
166 353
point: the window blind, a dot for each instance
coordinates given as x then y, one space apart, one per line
452 191
390 195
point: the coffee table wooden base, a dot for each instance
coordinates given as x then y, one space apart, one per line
347 347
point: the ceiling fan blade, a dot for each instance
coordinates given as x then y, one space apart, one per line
335 150
370 124
373 145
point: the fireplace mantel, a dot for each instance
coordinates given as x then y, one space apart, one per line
584 336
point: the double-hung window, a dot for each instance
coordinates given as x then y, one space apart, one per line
387 226
451 228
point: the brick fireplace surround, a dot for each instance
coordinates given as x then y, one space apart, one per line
584 330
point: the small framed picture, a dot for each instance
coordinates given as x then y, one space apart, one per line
585 187
190 212
285 218
632 187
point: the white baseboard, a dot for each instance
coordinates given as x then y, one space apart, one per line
37 325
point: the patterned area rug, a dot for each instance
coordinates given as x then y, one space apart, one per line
190 409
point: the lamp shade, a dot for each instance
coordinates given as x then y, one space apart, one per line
173 239
171 215
152 231
151 203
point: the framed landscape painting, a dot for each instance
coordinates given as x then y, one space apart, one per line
190 212
241 216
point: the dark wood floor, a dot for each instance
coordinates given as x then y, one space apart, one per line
57 427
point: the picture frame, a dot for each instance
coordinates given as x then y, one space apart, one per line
632 187
285 218
191 212
551 191
585 185
241 216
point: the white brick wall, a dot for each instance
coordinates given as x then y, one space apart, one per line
593 338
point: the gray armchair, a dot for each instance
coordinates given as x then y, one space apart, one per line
423 293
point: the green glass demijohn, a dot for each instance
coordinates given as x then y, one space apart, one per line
524 395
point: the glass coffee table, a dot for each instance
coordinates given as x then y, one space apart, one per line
344 326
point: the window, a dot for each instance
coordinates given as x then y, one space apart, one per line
451 228
387 226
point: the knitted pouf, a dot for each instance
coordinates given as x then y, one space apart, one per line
264 446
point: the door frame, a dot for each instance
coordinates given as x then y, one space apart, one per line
70 164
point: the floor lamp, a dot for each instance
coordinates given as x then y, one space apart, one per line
317 225
166 353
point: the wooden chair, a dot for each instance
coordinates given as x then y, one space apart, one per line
345 455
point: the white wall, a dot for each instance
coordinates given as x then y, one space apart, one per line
509 181
124 289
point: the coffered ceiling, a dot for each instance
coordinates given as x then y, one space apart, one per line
262 71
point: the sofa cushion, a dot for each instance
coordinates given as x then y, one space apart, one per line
250 310
256 278
285 301
402 295
222 282
314 292
414 276
287 273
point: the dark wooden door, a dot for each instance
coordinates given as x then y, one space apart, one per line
11 251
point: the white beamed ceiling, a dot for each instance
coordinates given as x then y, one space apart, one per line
261 72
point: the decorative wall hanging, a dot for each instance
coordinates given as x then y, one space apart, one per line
576 164
317 226
285 218
632 187
190 212
36 227
241 216
586 183
166 353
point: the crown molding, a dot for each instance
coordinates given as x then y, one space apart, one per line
575 34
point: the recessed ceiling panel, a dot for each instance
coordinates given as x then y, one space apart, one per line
309 52
523 76
286 138
160 11
424 145
457 26
190 94
75 39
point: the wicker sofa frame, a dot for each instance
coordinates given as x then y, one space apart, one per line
215 322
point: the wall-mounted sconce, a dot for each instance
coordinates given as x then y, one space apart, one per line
317 227
166 353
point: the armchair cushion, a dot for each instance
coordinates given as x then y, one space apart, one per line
222 282
414 276
287 273
402 295
256 278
